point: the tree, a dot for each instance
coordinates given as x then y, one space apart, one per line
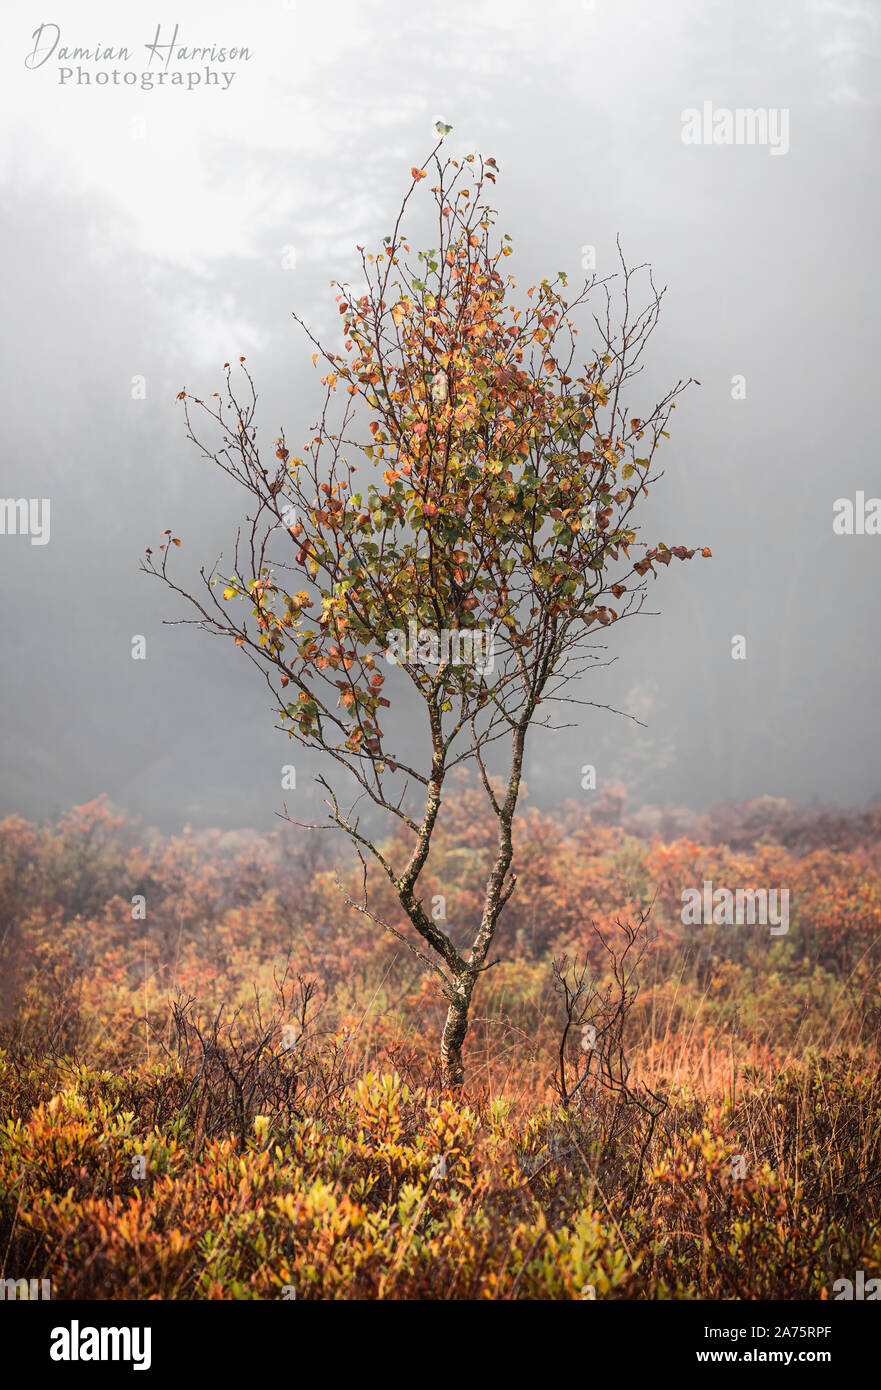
491 541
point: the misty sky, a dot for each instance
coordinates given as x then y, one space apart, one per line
145 236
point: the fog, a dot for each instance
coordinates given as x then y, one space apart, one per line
146 235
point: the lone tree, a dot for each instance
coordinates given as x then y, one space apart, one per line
492 539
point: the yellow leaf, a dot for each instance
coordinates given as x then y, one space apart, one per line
402 309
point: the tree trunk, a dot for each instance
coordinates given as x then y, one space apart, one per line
455 1028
